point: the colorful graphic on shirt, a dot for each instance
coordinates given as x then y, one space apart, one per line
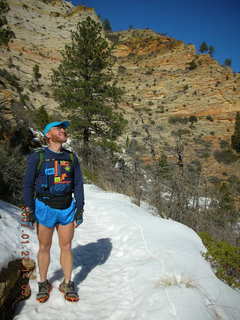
49 171
61 172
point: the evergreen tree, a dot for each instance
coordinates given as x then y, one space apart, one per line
203 47
85 87
36 72
211 50
5 32
235 138
163 166
228 62
227 212
107 25
41 117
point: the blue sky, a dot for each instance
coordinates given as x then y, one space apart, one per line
217 22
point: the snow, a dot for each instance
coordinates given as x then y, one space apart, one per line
8 231
128 264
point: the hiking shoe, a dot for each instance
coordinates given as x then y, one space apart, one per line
44 289
69 291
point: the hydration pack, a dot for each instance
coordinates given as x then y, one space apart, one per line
57 183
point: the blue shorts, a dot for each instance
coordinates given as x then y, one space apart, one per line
49 217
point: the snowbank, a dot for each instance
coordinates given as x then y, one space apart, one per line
129 265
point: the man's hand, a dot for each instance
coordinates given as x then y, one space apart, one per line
78 217
28 218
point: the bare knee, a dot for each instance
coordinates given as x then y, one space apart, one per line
66 246
44 247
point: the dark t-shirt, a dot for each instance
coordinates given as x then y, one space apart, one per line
57 175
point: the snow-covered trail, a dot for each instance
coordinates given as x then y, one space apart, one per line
131 265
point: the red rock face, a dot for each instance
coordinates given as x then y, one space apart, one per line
163 78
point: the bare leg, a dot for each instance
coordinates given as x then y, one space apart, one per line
45 241
65 236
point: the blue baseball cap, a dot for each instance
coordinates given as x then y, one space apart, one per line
50 125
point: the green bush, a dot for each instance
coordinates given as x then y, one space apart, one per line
192 119
89 176
5 32
192 65
210 118
177 119
12 164
180 132
122 69
225 156
224 144
224 259
204 154
41 117
11 78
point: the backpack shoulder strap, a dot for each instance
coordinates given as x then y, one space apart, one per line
41 159
71 155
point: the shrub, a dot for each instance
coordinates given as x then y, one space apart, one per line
236 135
204 154
122 69
177 119
149 71
12 167
36 73
210 118
214 180
11 78
160 128
113 37
135 133
192 65
41 117
161 109
5 32
180 132
224 144
225 156
192 119
224 259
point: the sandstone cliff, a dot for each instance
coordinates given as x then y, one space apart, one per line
165 83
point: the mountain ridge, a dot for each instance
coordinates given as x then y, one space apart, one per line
166 83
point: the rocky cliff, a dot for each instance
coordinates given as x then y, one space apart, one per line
178 94
172 93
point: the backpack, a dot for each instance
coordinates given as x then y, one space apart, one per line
42 158
58 202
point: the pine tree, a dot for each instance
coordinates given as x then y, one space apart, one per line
211 50
228 62
5 32
36 72
235 138
203 47
107 25
41 117
85 87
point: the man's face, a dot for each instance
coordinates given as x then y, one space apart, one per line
57 134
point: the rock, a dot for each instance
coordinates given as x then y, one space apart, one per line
163 78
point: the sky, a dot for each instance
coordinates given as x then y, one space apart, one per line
216 22
127 264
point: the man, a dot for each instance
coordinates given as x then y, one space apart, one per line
52 175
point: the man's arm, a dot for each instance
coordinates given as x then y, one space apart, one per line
78 185
29 180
